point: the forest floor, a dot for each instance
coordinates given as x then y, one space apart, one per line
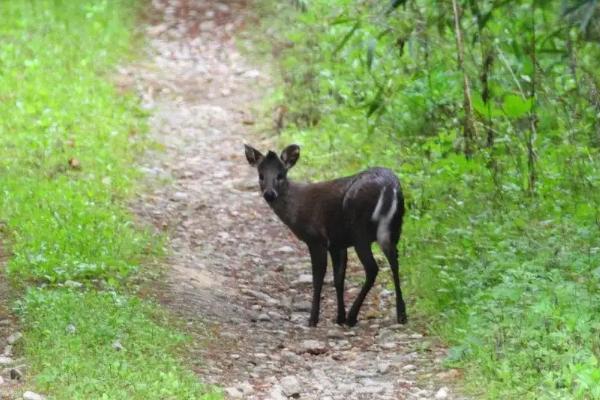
10 375
234 272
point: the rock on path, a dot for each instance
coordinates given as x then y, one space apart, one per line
233 266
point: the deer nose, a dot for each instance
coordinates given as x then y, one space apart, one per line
270 195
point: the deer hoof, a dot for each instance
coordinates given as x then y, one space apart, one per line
402 319
312 324
340 320
351 321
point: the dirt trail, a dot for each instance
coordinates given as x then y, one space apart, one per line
232 263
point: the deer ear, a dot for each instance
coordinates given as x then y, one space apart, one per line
253 156
290 155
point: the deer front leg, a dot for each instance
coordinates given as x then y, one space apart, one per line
318 258
339 259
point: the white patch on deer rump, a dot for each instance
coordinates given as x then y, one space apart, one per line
383 220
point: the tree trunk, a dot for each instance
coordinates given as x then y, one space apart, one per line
531 154
469 131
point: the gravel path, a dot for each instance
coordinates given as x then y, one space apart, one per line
233 264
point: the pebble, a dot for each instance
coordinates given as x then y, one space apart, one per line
335 334
16 374
6 360
261 296
179 196
1 381
276 393
71 329
290 357
285 249
73 284
264 317
314 347
32 396
117 346
302 306
383 367
234 393
14 338
290 386
304 279
442 393
388 346
409 367
450 374
246 388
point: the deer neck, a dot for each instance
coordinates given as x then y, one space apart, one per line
286 206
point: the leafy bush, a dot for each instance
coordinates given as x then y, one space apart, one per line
500 247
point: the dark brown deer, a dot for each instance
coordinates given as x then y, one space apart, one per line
354 211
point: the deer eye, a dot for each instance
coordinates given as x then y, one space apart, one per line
280 176
261 176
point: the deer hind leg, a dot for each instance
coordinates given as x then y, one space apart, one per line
391 253
339 259
363 250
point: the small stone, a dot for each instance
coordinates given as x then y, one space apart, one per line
179 196
207 26
304 279
313 347
370 390
235 356
276 393
408 367
32 396
73 284
290 357
261 296
7 350
302 306
264 317
246 388
16 374
275 315
14 338
71 329
117 346
222 7
290 386
450 374
285 249
1 381
442 393
252 74
234 393
335 334
5 360
383 367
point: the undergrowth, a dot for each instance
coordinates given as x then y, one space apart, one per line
68 140
509 278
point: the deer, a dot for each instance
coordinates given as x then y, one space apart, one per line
332 216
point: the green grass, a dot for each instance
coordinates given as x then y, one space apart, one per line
68 141
511 281
105 346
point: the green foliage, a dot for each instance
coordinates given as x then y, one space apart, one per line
56 109
508 274
67 143
104 346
